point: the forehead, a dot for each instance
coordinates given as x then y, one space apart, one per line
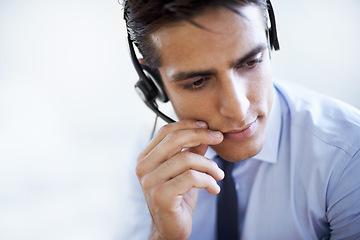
221 29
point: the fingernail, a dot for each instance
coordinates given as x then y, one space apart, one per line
201 124
216 134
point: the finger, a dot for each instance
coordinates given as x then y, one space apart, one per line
183 183
179 140
165 130
167 194
180 163
173 144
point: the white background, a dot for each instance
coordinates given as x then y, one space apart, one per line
69 116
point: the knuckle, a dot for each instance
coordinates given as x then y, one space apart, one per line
199 134
141 156
186 156
157 195
139 170
164 130
212 164
200 131
173 135
194 140
146 183
169 164
184 160
192 175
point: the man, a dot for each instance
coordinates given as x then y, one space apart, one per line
295 153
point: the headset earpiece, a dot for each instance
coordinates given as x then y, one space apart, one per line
145 90
154 81
149 86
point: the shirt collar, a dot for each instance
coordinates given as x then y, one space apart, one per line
269 152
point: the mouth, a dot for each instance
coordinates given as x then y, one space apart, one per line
243 133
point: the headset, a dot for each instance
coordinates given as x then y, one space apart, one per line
150 87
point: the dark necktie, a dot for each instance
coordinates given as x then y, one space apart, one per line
227 205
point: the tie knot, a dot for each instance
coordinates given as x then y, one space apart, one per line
226 166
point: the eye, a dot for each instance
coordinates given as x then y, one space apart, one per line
197 84
253 63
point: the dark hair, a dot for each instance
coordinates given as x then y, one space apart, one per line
144 17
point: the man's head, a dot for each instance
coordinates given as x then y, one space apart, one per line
215 67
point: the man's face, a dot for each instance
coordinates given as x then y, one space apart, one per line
220 75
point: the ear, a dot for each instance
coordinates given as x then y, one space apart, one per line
142 61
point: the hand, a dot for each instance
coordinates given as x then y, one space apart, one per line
171 169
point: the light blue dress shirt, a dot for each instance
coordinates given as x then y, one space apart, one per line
304 184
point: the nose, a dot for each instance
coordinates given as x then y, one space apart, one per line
233 100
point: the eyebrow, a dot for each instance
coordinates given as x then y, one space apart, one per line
259 48
180 76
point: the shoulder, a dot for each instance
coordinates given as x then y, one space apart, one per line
330 121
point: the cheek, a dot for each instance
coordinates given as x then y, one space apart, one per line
190 105
262 89
191 108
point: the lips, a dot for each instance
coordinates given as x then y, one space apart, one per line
241 134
